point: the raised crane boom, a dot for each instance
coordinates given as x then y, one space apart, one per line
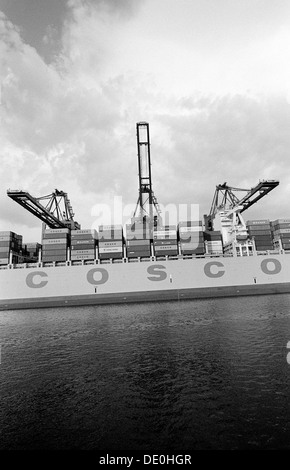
225 198
54 209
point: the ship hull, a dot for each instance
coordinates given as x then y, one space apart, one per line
176 279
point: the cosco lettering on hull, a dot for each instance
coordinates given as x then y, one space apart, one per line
155 273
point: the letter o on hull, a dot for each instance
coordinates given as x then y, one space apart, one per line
208 269
96 282
274 270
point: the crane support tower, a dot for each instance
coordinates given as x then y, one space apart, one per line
147 206
54 210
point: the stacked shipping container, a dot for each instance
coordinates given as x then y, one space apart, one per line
32 252
260 230
110 241
213 242
10 242
83 244
191 237
281 233
165 241
138 239
55 243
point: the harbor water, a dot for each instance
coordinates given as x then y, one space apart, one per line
188 375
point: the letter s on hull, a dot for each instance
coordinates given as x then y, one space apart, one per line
30 281
208 272
157 274
96 282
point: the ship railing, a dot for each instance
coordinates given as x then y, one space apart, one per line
138 259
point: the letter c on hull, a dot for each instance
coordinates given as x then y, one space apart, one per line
209 273
96 282
30 282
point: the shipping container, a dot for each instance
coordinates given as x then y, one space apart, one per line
214 243
4 249
112 249
56 230
212 235
104 228
166 253
77 242
192 240
6 245
281 221
54 253
83 237
111 243
138 242
169 237
190 223
256 233
49 235
263 237
171 241
83 246
83 252
258 222
198 251
165 247
166 233
54 241
7 239
54 247
85 232
47 259
75 257
190 229
7 234
138 254
110 255
281 231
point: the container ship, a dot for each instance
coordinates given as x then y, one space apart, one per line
218 255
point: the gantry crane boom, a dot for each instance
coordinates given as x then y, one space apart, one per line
225 197
47 208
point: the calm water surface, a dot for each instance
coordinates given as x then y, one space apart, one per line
208 374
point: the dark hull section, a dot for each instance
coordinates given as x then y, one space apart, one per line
145 296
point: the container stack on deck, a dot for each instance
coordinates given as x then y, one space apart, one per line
281 233
191 237
83 244
213 242
32 252
138 239
10 242
110 241
165 241
260 230
55 243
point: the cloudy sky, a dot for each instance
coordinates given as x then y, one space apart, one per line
212 78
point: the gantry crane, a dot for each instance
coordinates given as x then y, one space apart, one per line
147 206
54 210
227 207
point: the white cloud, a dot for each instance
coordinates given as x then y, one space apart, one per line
71 124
